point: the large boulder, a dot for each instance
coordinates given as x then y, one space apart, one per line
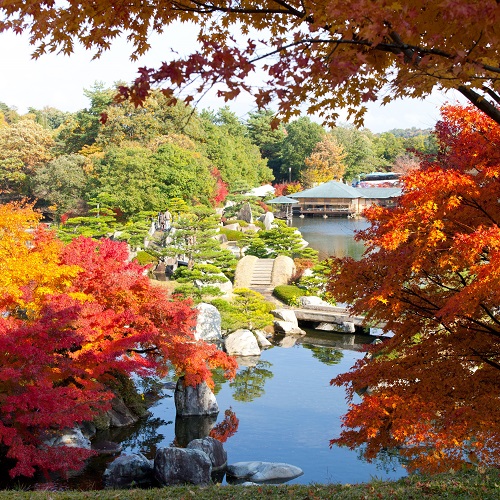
242 343
283 270
287 315
244 271
129 471
214 449
199 400
268 220
287 328
208 324
180 466
262 340
345 327
245 213
260 472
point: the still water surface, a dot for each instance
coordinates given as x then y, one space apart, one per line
286 408
334 236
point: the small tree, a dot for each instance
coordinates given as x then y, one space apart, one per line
247 309
326 163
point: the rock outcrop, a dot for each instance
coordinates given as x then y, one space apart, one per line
242 343
180 466
129 471
192 401
260 472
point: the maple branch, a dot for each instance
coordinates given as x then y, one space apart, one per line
492 94
208 8
490 314
486 359
143 351
480 102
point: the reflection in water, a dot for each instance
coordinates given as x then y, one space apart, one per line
332 237
144 435
326 355
227 428
192 427
249 382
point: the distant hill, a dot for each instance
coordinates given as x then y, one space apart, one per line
409 132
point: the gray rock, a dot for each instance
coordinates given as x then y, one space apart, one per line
261 340
129 471
313 301
268 220
288 328
245 213
345 327
244 271
199 400
214 449
259 472
242 343
348 327
285 315
180 466
208 324
233 227
72 438
120 415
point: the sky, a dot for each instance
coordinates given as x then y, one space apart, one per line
59 81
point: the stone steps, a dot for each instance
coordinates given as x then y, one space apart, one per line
262 273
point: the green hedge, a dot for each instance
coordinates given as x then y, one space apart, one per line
232 234
289 294
144 258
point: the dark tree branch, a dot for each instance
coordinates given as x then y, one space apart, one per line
481 103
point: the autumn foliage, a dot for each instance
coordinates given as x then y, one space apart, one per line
72 317
321 55
431 272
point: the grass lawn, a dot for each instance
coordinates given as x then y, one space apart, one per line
462 485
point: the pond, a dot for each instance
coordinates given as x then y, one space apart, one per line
287 412
286 409
333 236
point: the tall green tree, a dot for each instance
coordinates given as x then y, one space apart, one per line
128 175
266 138
62 182
302 135
232 152
82 128
146 124
182 173
361 156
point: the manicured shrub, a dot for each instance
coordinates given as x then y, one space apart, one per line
143 258
232 234
289 294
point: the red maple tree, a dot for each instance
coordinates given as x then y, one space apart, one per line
64 336
431 273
